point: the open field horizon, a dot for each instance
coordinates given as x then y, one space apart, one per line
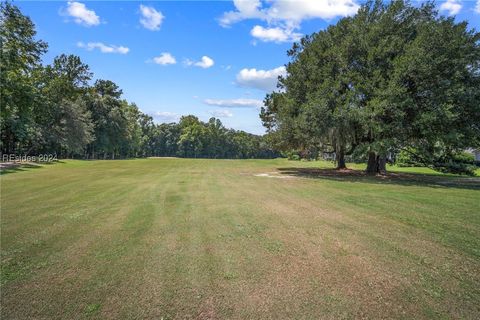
199 111
243 239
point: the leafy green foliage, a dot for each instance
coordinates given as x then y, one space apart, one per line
406 158
194 138
19 62
392 77
459 163
53 109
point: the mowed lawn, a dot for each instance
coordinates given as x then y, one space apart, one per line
236 239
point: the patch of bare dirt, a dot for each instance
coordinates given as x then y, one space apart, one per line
273 175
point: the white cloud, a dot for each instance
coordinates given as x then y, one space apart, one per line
289 11
103 47
81 14
451 6
164 59
275 34
298 10
221 113
205 62
151 18
285 16
260 79
165 116
477 7
235 103
246 9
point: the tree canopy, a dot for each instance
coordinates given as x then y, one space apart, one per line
393 77
56 109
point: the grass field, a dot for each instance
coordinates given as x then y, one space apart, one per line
236 239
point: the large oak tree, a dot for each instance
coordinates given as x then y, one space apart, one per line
392 77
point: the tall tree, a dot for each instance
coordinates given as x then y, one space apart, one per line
53 109
19 60
393 76
435 86
192 138
108 117
76 127
62 113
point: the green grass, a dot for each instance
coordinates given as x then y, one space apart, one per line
208 239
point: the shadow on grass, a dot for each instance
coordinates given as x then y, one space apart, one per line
399 178
19 167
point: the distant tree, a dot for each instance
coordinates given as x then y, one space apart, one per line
53 109
133 141
148 132
108 116
62 112
192 137
215 142
166 139
76 125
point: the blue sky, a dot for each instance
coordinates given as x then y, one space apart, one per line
207 58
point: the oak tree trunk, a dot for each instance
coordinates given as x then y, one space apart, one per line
372 163
376 164
340 157
381 165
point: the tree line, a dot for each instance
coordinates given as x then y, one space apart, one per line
393 78
55 109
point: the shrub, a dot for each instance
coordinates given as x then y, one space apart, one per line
405 159
456 168
291 155
464 157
